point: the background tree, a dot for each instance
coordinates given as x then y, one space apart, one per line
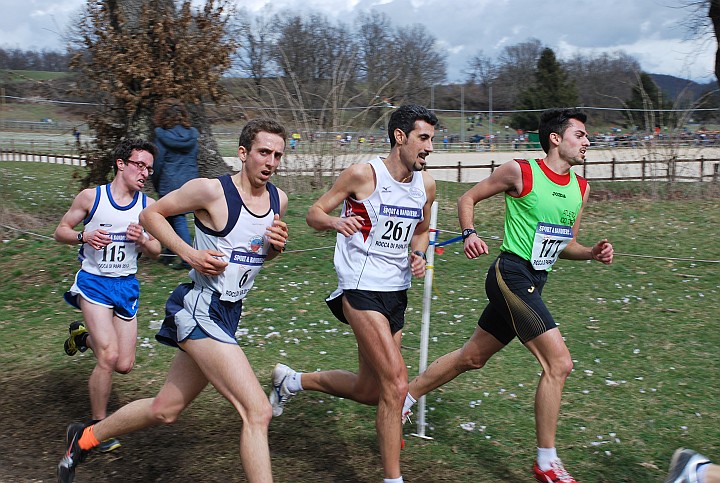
375 46
551 88
254 57
134 53
647 104
515 69
603 80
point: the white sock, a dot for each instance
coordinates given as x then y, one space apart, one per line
545 456
409 402
393 480
294 383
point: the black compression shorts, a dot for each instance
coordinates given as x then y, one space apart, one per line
516 307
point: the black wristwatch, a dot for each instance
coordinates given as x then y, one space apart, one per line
80 237
420 254
467 232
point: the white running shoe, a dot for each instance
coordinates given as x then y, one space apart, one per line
279 393
406 416
683 466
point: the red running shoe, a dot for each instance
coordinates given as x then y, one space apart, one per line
556 474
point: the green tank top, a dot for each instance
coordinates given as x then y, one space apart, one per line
538 225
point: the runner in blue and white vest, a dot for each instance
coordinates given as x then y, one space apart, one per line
105 289
238 228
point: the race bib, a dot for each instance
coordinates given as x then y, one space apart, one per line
550 240
395 228
118 256
240 274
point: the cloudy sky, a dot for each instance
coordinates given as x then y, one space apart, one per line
652 31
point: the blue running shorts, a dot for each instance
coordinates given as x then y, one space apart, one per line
197 312
122 294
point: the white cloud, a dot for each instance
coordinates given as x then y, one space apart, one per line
650 30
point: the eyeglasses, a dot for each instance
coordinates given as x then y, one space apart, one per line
141 166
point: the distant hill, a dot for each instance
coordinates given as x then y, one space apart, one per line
675 86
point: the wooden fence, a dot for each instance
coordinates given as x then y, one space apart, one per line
700 169
56 158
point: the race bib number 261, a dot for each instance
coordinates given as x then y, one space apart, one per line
396 226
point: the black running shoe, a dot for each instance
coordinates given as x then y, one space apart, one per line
73 455
76 341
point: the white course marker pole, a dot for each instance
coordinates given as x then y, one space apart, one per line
425 329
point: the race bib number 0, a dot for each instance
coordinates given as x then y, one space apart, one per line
550 241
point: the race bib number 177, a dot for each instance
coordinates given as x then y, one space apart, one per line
550 241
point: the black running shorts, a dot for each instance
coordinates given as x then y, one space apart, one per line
390 304
516 307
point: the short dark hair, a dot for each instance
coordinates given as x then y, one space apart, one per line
556 121
127 146
252 128
404 118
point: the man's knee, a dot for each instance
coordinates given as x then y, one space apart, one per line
560 368
107 358
395 390
124 367
471 359
259 416
166 412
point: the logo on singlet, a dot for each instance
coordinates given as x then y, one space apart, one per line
416 193
256 243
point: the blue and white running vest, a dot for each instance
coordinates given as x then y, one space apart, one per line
119 258
242 241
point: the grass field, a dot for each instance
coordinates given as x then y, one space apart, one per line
643 333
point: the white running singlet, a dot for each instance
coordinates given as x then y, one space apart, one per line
376 257
119 258
242 241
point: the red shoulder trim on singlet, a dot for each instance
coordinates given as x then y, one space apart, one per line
561 179
527 179
583 185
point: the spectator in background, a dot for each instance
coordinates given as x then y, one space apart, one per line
176 162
